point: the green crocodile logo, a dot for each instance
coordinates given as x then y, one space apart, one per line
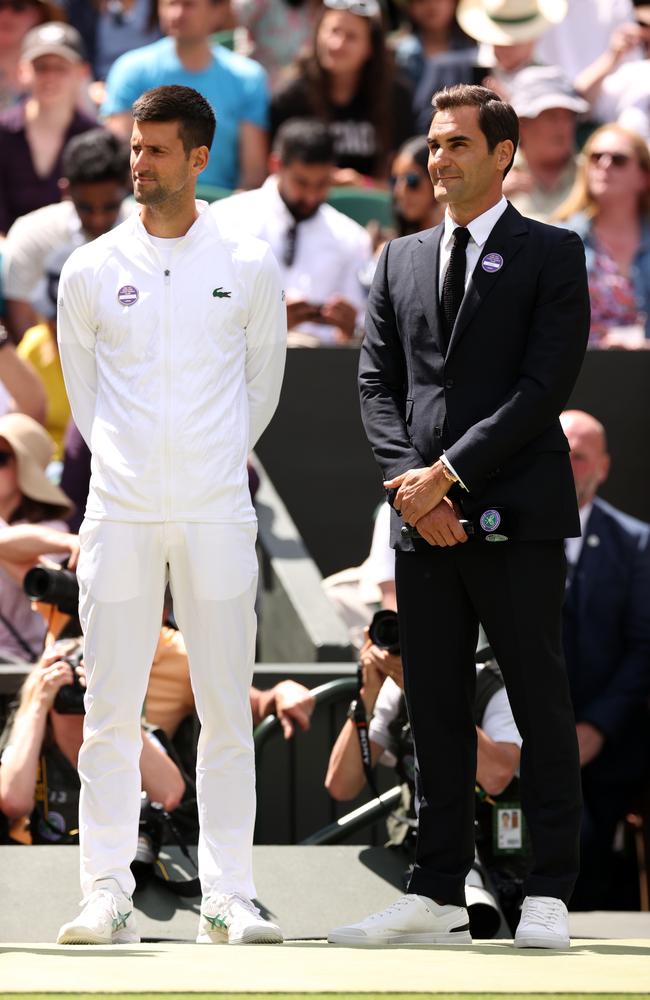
220 293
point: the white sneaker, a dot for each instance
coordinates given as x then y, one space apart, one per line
411 919
106 918
234 919
544 923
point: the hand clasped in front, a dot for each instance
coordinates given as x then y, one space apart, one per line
422 502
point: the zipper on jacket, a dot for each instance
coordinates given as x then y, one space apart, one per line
168 394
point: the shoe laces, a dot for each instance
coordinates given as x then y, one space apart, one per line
543 912
225 902
395 907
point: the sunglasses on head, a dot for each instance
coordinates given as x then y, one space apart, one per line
616 159
364 8
18 6
5 456
411 180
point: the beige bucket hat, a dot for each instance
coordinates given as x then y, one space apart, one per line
509 22
33 448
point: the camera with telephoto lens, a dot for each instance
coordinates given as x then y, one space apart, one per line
53 586
150 837
70 698
384 631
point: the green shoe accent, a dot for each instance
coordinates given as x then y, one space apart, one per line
216 922
120 920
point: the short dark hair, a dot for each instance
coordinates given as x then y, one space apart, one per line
195 117
95 156
304 139
497 120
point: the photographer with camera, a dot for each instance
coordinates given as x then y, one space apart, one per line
32 510
38 770
390 743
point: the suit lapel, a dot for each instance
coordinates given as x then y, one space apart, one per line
504 242
426 261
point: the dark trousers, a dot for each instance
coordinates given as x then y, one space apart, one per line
515 589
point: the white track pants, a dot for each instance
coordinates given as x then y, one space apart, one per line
212 570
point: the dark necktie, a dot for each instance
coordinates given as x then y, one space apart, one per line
290 245
453 286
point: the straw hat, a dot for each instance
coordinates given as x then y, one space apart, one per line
33 448
509 22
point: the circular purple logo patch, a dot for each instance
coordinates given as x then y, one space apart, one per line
492 262
490 520
128 295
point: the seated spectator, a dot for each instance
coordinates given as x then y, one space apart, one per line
170 698
94 184
423 54
320 251
617 86
17 17
32 510
544 167
33 134
277 30
234 85
21 389
607 648
110 28
38 770
414 204
346 79
609 206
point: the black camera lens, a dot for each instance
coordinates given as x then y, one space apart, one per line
384 630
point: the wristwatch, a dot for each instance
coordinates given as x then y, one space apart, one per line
352 711
4 335
448 474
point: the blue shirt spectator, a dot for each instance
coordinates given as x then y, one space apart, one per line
234 85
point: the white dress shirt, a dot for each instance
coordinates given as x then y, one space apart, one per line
331 249
573 546
479 231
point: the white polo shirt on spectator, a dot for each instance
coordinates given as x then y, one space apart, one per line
329 252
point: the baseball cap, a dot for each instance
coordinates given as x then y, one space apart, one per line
53 39
538 88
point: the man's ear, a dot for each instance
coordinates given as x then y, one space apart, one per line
274 163
199 158
64 187
505 153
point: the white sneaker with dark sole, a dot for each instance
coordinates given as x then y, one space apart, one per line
234 919
544 923
106 918
412 919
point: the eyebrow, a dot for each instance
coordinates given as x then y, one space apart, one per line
149 145
452 138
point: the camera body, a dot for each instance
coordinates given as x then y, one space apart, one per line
70 698
383 630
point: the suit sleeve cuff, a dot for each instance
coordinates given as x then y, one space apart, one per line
445 461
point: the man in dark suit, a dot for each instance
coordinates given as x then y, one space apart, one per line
475 333
607 649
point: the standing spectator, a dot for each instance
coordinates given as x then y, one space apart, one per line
609 207
607 647
545 166
423 54
17 17
31 525
110 28
94 185
33 134
234 85
277 30
321 251
347 80
579 38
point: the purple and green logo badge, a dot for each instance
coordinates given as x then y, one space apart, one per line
128 295
492 262
490 520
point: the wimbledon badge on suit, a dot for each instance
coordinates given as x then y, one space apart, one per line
491 402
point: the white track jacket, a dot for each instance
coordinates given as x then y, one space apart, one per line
174 371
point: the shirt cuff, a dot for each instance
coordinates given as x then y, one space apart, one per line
445 461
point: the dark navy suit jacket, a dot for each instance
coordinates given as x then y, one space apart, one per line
607 639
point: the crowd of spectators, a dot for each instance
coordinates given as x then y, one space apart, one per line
311 96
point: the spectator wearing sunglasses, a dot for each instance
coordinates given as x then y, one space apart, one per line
34 133
544 168
32 512
94 186
17 17
347 80
414 205
609 206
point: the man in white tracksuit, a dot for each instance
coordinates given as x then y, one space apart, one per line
172 338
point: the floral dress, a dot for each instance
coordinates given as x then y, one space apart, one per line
613 299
